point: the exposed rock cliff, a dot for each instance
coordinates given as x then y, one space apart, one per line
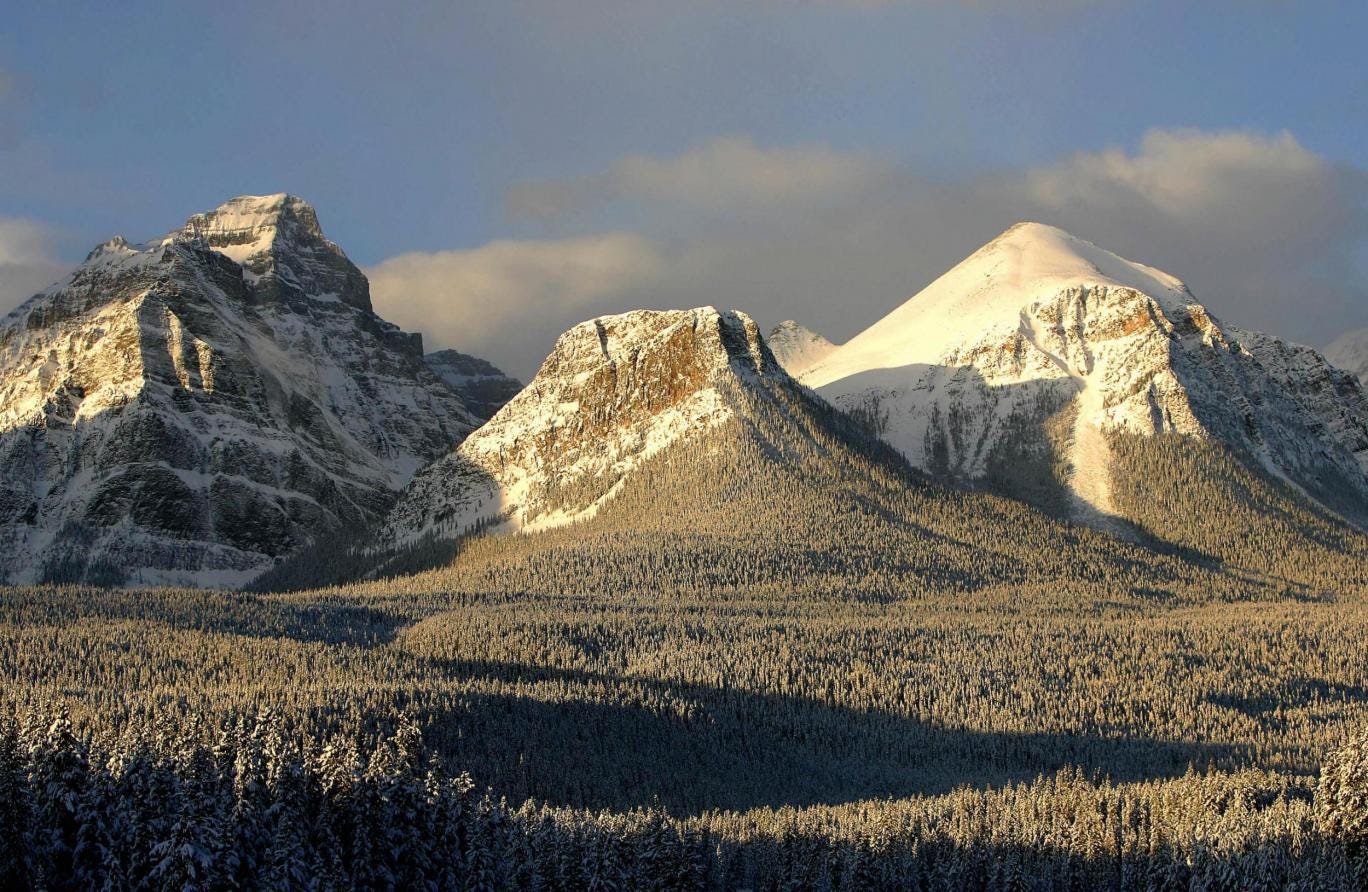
185 411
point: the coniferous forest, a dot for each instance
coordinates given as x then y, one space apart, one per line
759 667
721 445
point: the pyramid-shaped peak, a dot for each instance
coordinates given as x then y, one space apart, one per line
798 347
1030 255
281 247
1027 229
988 292
792 327
118 245
252 220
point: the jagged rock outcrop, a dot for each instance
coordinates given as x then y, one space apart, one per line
1024 359
483 387
187 411
797 347
613 392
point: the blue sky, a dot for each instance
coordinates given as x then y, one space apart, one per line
568 158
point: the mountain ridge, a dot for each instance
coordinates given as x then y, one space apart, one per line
188 410
613 391
1043 342
483 387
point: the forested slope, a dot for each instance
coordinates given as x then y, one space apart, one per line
774 658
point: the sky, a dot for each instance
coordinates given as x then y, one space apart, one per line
503 170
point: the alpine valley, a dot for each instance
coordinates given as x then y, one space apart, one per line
1048 579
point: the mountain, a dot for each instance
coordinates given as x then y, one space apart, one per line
188 410
670 452
613 392
1350 352
1022 367
796 347
483 388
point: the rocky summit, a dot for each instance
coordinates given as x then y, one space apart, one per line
1029 357
188 410
613 392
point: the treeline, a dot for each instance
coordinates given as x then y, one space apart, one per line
776 658
791 497
1210 503
247 804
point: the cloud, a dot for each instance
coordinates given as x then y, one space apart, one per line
507 300
1181 172
1267 233
1262 228
27 261
730 174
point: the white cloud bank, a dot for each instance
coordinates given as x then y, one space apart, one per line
1267 233
509 298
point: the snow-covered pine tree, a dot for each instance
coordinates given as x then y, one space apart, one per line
1342 801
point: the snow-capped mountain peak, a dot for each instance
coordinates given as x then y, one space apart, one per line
986 291
187 410
613 392
281 247
1039 346
247 226
797 347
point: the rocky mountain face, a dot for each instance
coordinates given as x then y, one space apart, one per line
1021 362
615 391
188 410
482 386
797 347
1350 352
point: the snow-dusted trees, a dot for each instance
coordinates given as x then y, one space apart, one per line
405 823
1342 800
744 672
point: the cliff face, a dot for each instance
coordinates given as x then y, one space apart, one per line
484 388
185 411
613 392
1026 356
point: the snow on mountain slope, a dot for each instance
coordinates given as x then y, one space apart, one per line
797 347
483 387
1028 353
186 411
1350 352
281 248
613 392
